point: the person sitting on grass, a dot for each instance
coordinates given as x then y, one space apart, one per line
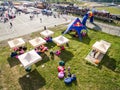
58 52
13 54
43 48
16 48
83 33
48 39
38 50
62 48
76 35
20 51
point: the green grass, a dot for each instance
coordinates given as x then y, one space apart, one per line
112 10
89 77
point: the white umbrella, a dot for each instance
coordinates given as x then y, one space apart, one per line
61 40
37 42
29 58
16 42
101 46
47 33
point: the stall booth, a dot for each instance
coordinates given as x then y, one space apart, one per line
99 49
29 58
47 34
60 41
38 44
18 47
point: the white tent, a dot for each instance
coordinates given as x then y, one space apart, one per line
29 58
16 42
37 42
101 46
61 40
97 53
47 33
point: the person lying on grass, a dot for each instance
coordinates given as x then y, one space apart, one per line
41 49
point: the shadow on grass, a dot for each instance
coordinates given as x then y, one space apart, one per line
96 27
34 82
52 57
45 59
117 67
50 45
13 61
75 82
85 39
70 85
108 62
90 64
66 55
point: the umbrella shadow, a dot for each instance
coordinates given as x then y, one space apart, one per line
66 55
33 82
108 62
50 45
45 59
13 61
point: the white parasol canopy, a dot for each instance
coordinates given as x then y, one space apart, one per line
101 46
37 42
16 42
60 40
29 58
47 33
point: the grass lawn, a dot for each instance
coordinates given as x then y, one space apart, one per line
89 77
112 10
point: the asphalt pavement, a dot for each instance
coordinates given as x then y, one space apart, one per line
22 25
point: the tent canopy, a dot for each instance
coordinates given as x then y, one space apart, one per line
101 46
29 58
76 25
60 40
16 42
37 41
47 33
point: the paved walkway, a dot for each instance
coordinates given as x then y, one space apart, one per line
113 30
22 25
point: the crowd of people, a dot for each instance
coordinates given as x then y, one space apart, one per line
102 15
41 49
18 51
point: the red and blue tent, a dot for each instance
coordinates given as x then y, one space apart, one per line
76 25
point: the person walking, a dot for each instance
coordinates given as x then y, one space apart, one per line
45 28
11 25
40 20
